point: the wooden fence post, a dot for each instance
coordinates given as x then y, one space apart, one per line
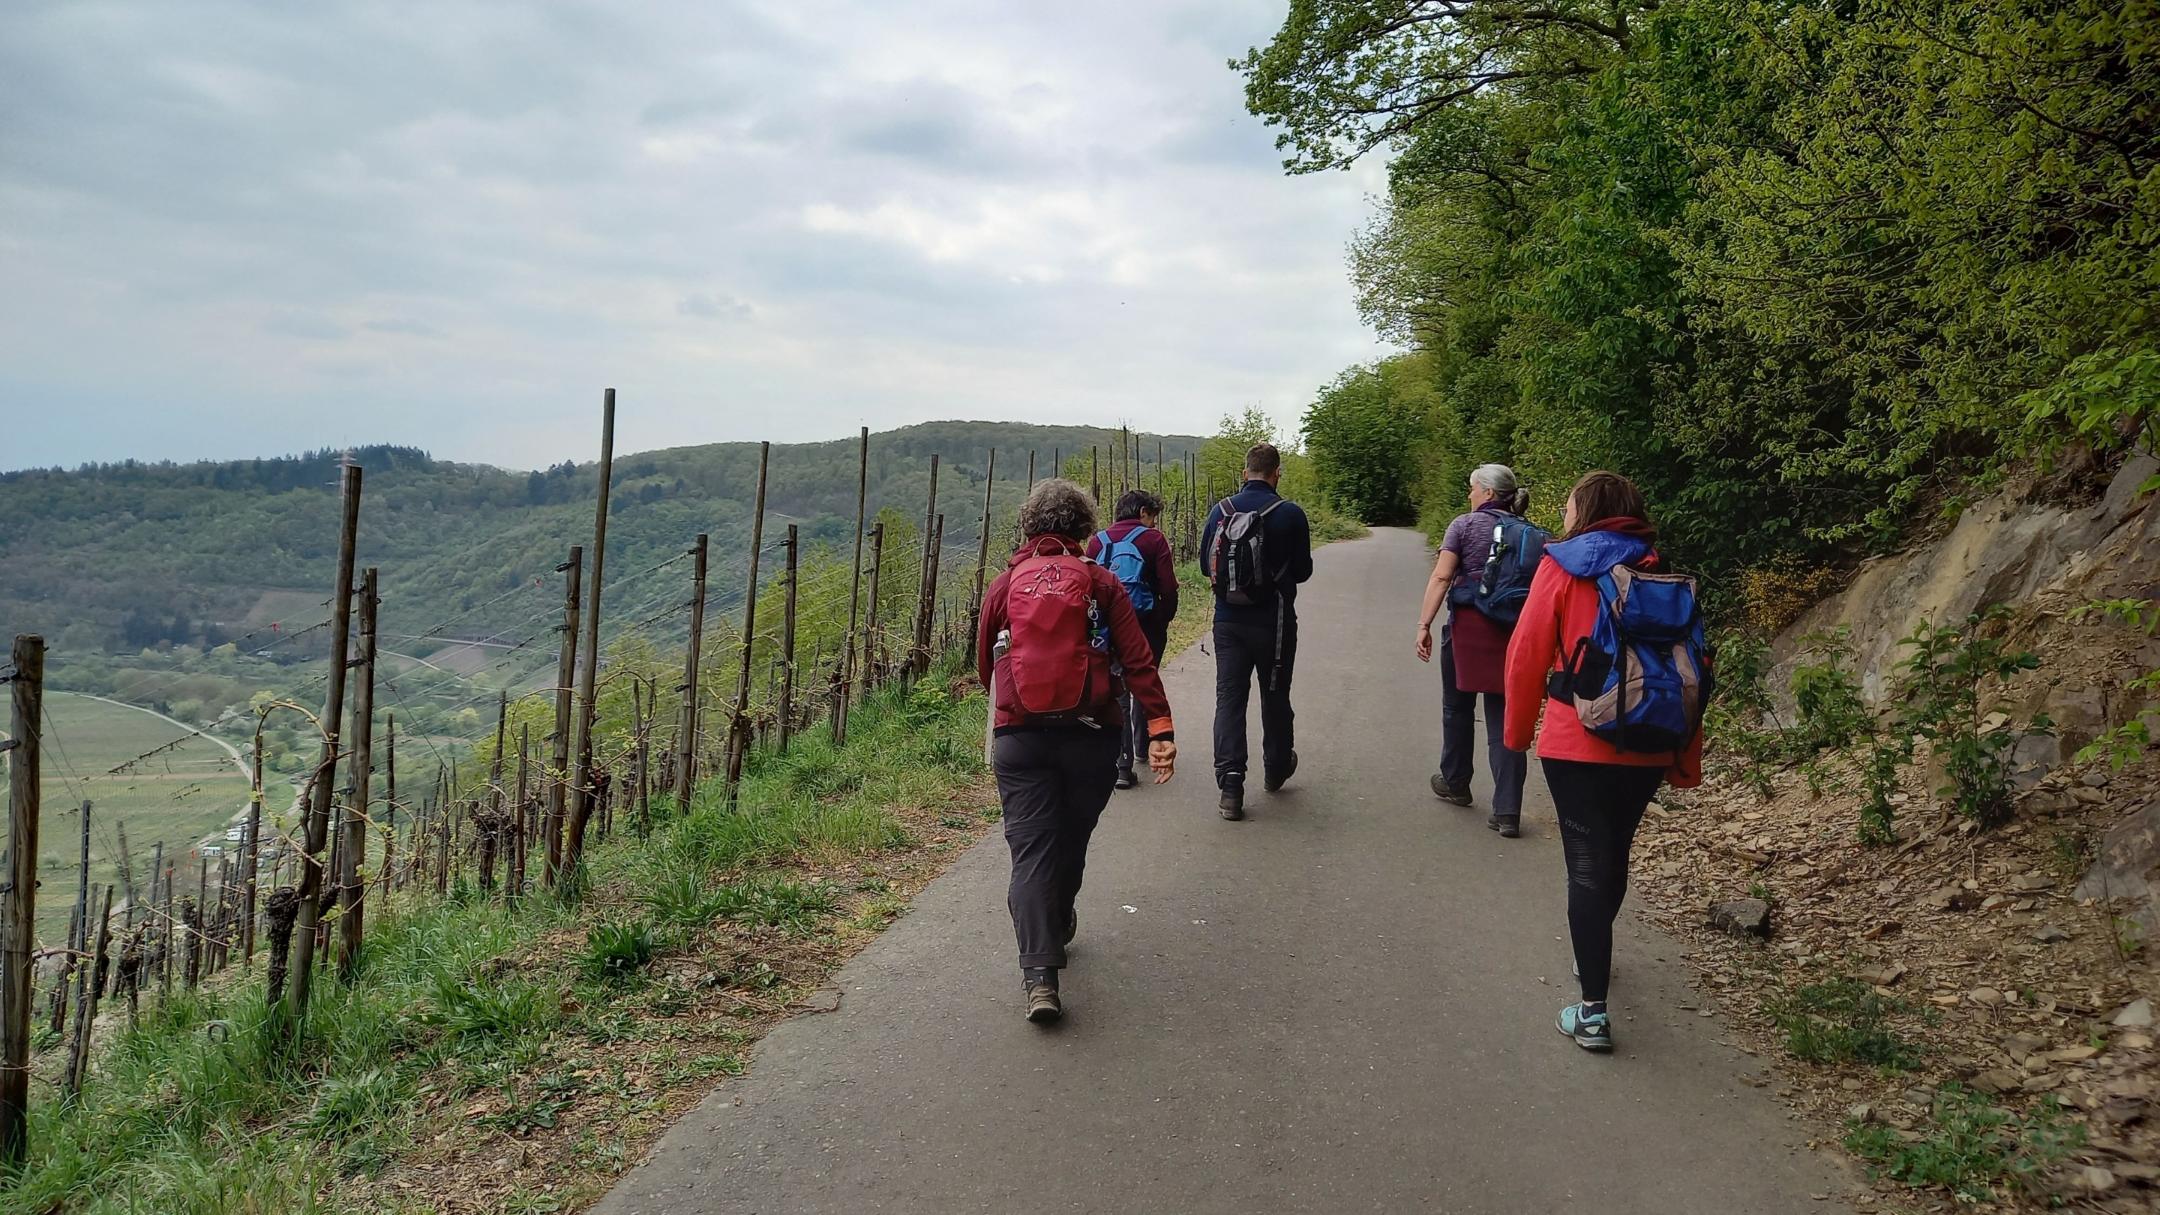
739 726
787 637
982 552
847 654
919 641
360 776
589 659
565 675
870 623
686 756
89 985
19 926
491 829
317 831
1094 474
390 803
518 836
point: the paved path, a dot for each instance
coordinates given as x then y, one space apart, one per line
1344 1003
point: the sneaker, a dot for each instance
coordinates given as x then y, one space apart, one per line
1458 794
1232 803
1591 1030
1509 827
1126 779
1275 780
1042 1002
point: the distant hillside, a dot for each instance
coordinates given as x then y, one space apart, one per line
121 557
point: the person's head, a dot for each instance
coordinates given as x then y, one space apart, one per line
1139 504
1498 483
1057 507
1600 496
1263 463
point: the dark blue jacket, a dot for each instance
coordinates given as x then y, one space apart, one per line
1289 550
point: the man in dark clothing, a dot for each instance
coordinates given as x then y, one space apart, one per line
1140 556
1257 637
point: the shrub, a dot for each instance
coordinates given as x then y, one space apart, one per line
1940 680
1970 1146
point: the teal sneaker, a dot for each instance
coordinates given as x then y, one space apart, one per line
1592 1030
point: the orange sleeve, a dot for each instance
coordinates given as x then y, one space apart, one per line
1530 654
1134 654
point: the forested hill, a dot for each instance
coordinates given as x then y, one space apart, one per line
126 556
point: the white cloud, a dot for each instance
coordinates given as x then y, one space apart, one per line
254 228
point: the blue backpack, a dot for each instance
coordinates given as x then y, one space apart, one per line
1641 678
1124 559
1518 545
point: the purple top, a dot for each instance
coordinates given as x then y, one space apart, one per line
1469 537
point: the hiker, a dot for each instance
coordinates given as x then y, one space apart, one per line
1255 550
1612 649
1053 623
1487 558
1135 550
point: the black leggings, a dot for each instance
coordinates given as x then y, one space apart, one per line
1600 806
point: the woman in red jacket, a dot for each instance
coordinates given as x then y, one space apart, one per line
1055 771
1598 790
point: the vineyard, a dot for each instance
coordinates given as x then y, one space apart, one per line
266 994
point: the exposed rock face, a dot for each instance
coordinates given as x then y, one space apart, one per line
2129 855
2000 551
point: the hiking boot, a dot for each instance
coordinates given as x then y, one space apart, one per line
1509 827
1458 794
1272 781
1125 778
1232 803
1040 985
1588 1024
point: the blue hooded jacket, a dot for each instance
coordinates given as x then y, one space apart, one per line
1593 552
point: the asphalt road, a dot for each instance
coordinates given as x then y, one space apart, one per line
1344 1003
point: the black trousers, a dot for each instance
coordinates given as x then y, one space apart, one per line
1458 738
1133 745
1242 652
1600 807
1054 784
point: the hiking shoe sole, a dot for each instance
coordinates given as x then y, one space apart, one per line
1275 782
1598 1041
1509 828
1232 806
1456 794
1126 779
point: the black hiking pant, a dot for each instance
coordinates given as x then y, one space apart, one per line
1458 739
1600 807
1054 784
1133 744
1243 651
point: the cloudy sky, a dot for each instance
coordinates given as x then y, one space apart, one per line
233 229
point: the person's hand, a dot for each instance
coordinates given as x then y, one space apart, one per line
1162 759
1424 643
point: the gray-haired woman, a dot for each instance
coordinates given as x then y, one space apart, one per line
1052 623
1473 650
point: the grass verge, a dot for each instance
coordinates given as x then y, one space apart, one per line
513 1059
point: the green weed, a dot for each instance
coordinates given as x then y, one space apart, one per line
617 950
1971 1147
1841 1021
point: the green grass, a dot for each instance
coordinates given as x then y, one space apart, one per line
1971 1147
199 1110
1842 1021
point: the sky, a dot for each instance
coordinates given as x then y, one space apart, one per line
234 229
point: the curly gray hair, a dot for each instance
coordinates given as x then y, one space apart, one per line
1057 507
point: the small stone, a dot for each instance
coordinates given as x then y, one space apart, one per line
1998 1080
2096 1179
1985 997
2137 1172
2031 882
1741 917
2137 1014
2134 1041
2071 1054
2096 779
1851 1085
1862 1112
2048 934
1952 898
1881 976
1920 1097
2088 796
1993 901
2021 1047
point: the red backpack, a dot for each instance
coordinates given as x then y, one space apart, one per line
1057 656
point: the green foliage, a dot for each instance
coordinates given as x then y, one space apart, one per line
1364 433
1827 694
1940 679
2124 743
618 949
1842 1021
1794 266
1971 1147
